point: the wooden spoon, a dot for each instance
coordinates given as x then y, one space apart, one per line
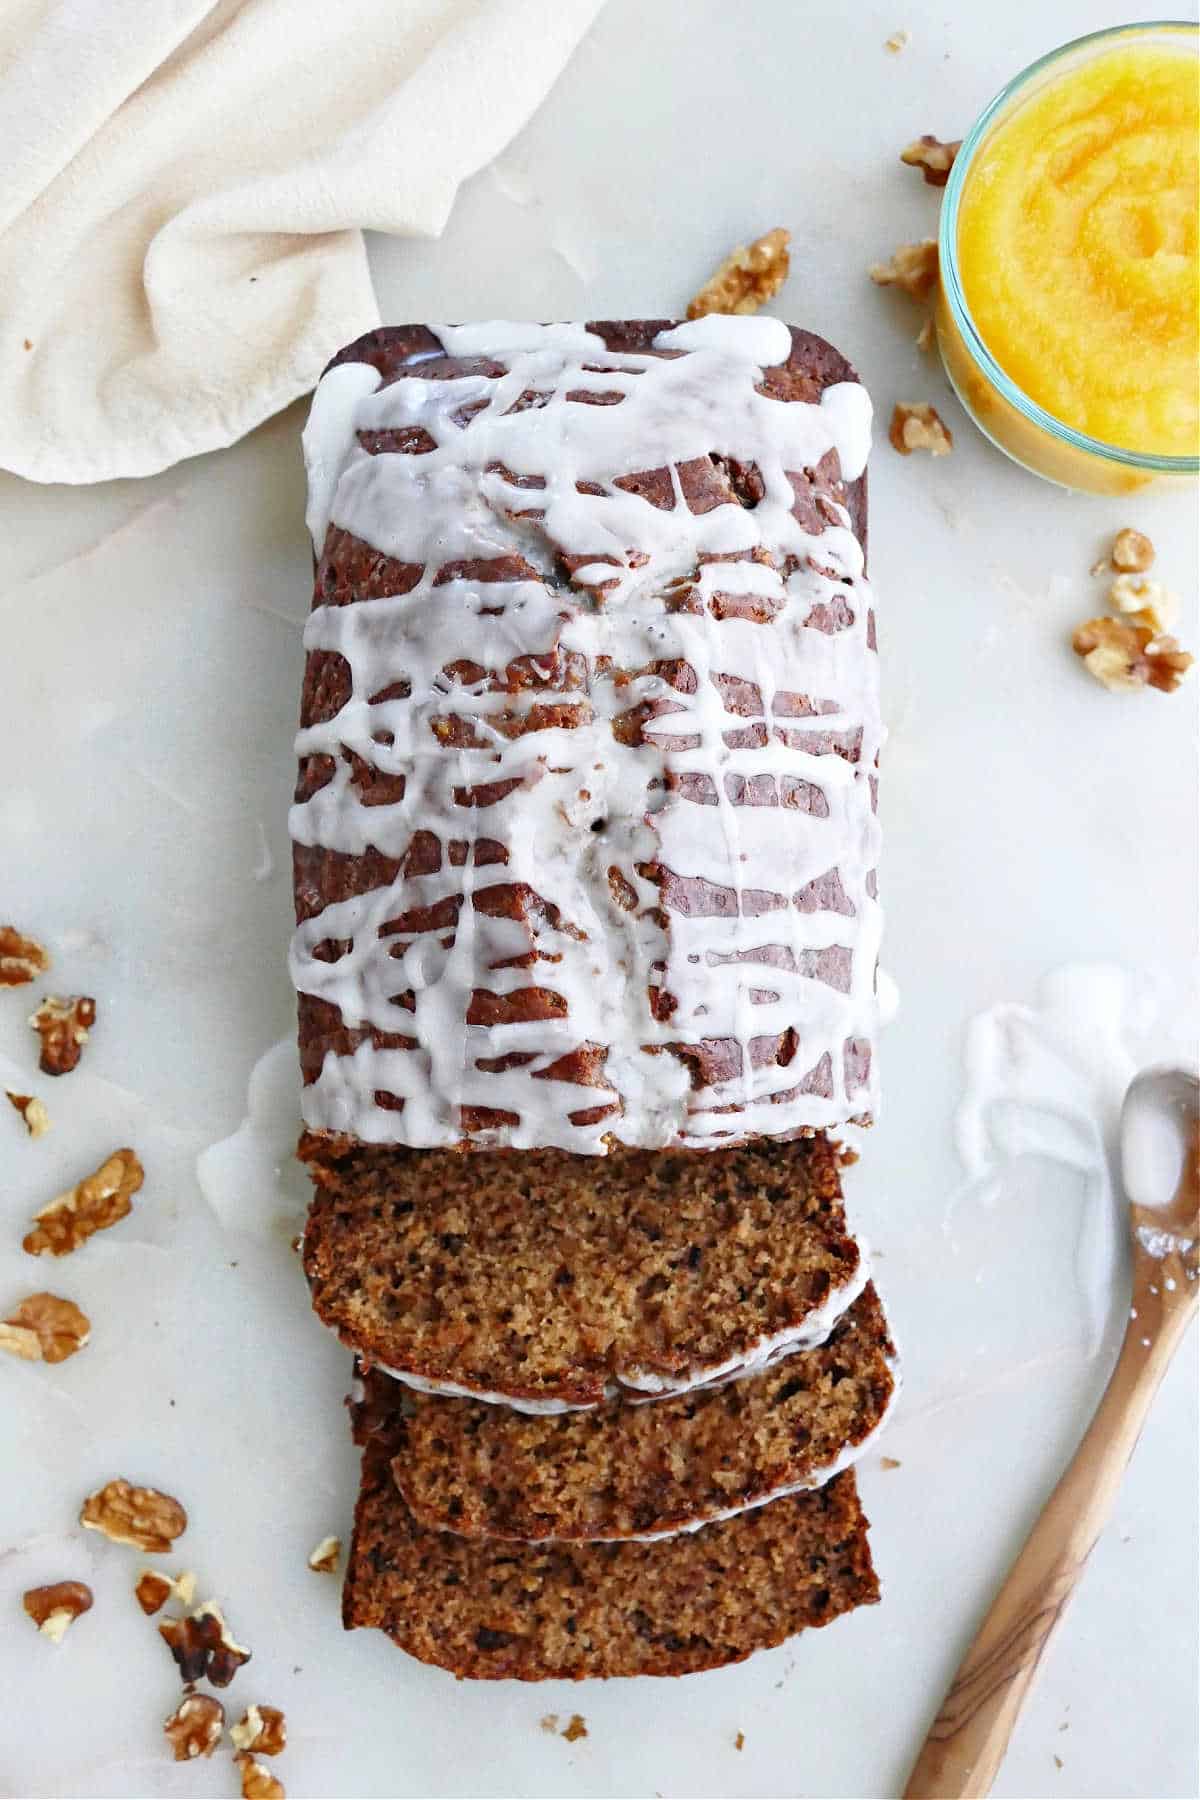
968 1738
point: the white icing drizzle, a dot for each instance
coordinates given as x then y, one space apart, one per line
750 807
640 1386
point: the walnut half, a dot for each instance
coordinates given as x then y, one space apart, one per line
45 1328
153 1589
932 156
323 1557
21 958
203 1646
63 1024
913 268
262 1729
918 426
32 1110
55 1608
258 1783
749 277
144 1517
1123 656
95 1203
195 1726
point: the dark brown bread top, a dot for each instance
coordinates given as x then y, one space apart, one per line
632 1470
547 1277
488 1609
804 1074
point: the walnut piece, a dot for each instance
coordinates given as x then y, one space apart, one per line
21 958
195 1726
323 1558
1122 656
575 1730
258 1783
62 1023
95 1203
262 1729
45 1328
33 1111
925 335
1144 601
154 1589
932 156
140 1516
749 277
898 41
203 1646
55 1608
1132 552
917 426
913 268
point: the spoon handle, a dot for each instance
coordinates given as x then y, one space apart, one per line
968 1738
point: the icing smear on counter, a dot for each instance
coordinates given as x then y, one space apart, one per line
1048 1081
634 739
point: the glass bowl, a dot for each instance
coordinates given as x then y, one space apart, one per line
1013 421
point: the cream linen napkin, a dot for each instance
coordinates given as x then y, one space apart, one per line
184 186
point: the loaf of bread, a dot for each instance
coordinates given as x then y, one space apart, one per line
491 1609
585 834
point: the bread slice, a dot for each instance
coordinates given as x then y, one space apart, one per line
488 1609
641 1470
552 1280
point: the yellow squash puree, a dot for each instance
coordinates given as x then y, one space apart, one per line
1077 249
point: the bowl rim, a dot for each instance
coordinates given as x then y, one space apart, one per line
1146 461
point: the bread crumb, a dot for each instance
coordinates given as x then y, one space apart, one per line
549 1722
739 1742
575 1730
925 335
889 1462
1058 1762
899 40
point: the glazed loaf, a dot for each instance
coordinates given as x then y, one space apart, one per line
585 834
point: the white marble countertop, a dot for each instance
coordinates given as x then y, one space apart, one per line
148 683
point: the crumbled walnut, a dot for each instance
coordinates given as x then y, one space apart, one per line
1144 601
53 1609
1123 655
154 1589
140 1516
917 426
575 1730
889 1462
549 1722
1132 552
21 958
45 1328
33 1111
262 1729
203 1647
749 277
97 1202
739 1742
913 268
932 156
195 1726
63 1025
898 41
925 335
323 1558
258 1783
